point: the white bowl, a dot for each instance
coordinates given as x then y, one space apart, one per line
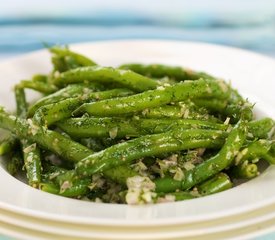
198 229
250 73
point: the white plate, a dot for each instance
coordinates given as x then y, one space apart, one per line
252 74
154 232
245 233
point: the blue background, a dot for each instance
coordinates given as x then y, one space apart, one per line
26 25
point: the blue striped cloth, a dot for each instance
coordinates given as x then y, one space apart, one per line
245 24
29 25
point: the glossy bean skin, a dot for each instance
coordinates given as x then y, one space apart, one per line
64 59
126 152
51 113
123 78
154 98
161 70
218 183
127 127
76 190
42 87
181 110
73 90
213 105
31 152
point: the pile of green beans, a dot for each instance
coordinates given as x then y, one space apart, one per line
135 134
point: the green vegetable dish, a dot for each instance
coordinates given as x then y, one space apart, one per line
135 134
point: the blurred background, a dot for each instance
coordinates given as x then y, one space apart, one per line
26 25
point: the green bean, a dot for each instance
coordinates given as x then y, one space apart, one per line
160 71
167 185
260 149
244 171
148 145
262 128
69 184
48 114
154 98
220 161
166 111
32 162
120 174
218 183
45 138
175 196
234 111
231 107
40 78
50 172
31 152
76 190
135 127
15 163
21 103
60 176
236 98
212 105
67 176
63 59
106 75
49 140
92 143
176 131
70 91
7 145
42 87
210 167
185 110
